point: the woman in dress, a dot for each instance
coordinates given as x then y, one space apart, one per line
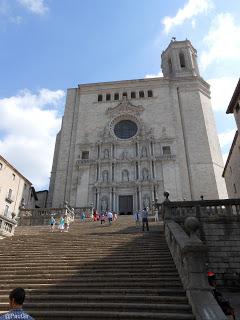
61 224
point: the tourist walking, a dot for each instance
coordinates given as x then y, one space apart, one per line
136 217
115 216
16 299
95 215
61 224
110 217
145 219
102 217
52 222
156 217
67 220
83 216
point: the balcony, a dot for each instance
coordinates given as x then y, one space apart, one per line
166 157
9 198
81 162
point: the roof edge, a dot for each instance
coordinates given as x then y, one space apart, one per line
230 152
234 98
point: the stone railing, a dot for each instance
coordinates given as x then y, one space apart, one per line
179 210
166 157
219 230
190 256
41 216
7 226
81 162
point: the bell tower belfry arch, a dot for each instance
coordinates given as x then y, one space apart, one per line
179 60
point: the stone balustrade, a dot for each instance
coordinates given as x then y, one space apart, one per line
190 256
41 216
7 226
219 230
202 209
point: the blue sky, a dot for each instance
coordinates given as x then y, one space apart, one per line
48 46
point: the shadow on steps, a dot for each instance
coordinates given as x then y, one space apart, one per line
94 272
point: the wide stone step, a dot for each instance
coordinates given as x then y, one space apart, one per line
92 315
93 272
73 269
66 254
51 298
104 306
88 274
61 290
37 284
111 298
104 259
97 280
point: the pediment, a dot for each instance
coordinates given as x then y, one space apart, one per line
125 107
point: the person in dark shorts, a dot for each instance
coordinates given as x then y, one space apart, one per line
145 219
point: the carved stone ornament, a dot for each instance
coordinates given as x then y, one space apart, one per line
105 134
125 107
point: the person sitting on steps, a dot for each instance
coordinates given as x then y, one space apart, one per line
16 299
224 304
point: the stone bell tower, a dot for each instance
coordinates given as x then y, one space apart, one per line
180 60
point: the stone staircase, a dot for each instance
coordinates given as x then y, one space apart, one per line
93 272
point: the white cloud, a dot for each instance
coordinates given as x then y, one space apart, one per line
6 14
191 9
157 75
29 123
226 138
221 91
222 41
36 6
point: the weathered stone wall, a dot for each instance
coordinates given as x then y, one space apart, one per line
219 230
232 169
222 237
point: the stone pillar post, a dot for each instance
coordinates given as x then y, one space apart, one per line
110 199
139 171
140 198
114 200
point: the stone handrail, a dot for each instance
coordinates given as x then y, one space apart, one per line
189 254
7 226
179 210
41 216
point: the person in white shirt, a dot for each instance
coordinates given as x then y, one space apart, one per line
110 217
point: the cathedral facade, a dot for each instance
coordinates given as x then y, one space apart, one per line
123 143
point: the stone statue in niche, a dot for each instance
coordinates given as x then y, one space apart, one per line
125 175
106 154
145 174
105 176
144 152
124 155
104 203
164 131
